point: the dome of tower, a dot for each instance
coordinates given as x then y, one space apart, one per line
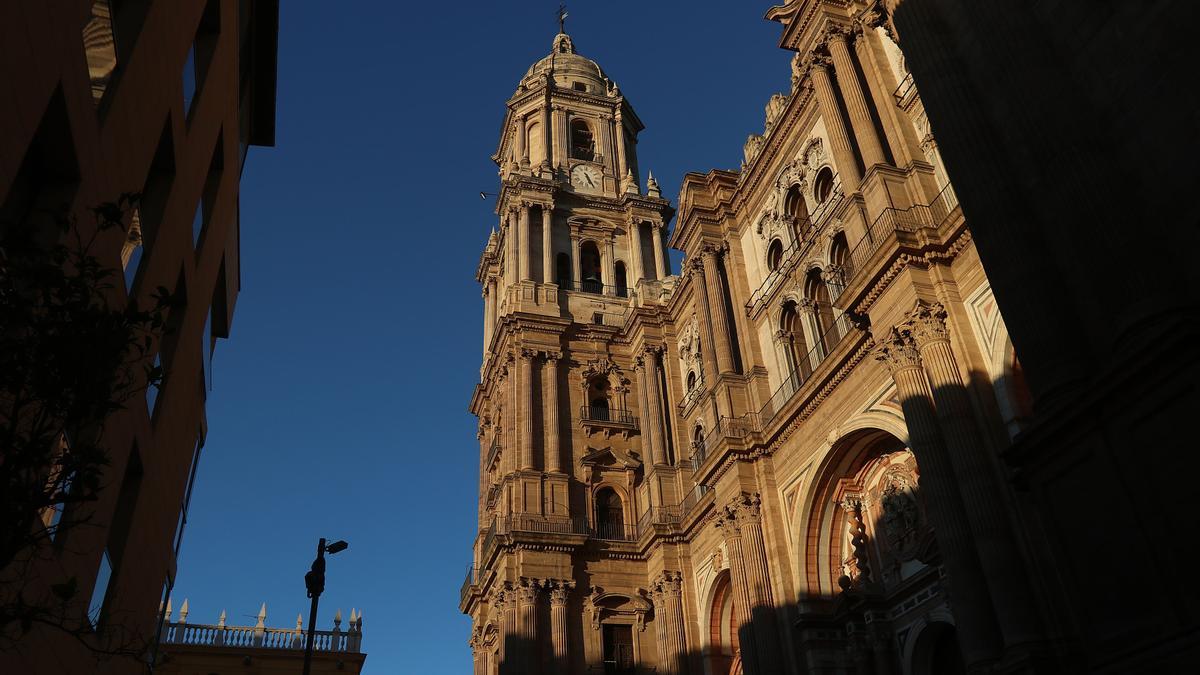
570 70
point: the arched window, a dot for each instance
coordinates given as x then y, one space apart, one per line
619 279
589 268
815 290
583 146
597 396
774 255
796 210
823 185
691 381
839 251
795 346
610 514
562 270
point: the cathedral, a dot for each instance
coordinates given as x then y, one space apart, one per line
783 457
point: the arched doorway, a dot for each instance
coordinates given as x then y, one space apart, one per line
723 655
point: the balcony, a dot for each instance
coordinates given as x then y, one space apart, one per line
675 515
601 418
737 428
912 229
615 532
596 288
808 369
797 251
493 451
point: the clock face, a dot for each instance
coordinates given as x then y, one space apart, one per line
587 177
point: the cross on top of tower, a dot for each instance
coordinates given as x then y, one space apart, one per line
562 17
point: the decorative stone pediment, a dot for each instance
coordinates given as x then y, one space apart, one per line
604 367
601 604
771 225
611 458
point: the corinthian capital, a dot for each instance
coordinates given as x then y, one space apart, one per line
527 590
897 350
927 322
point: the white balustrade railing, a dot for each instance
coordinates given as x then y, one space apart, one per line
334 640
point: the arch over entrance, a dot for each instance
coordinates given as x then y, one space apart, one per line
723 655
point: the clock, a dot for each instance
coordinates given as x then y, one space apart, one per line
587 177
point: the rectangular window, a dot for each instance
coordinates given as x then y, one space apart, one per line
187 494
189 81
200 54
152 390
100 591
99 45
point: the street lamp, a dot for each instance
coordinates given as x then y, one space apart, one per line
314 581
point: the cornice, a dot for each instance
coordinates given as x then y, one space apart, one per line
924 259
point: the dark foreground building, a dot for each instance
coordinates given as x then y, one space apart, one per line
101 97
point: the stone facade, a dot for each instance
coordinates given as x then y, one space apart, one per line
785 458
162 99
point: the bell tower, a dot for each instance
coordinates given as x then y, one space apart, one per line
569 415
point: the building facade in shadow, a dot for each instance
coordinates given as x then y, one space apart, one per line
790 455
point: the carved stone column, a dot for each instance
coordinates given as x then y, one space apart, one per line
522 147
979 634
503 602
667 594
716 307
831 114
635 252
811 326
512 405
660 264
576 264
856 102
487 318
559 592
561 136
511 250
742 526
527 594
553 459
610 265
975 477
653 423
527 403
547 136
523 244
547 244
619 138
708 354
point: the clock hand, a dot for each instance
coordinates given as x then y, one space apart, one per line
588 178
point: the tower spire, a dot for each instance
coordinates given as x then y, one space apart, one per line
562 17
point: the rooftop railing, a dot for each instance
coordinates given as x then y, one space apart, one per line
261 637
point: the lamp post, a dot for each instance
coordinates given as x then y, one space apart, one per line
314 581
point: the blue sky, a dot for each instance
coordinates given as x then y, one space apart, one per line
339 406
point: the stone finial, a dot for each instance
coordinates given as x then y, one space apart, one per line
221 619
183 611
262 617
337 619
299 622
652 188
353 618
167 614
628 184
